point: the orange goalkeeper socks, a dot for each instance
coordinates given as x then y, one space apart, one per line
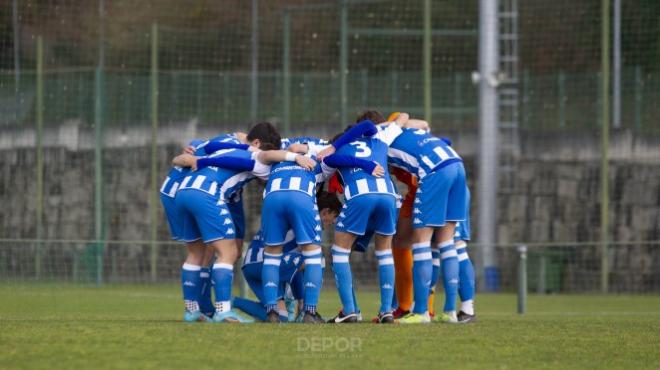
403 262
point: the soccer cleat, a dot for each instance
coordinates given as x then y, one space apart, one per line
273 317
414 318
464 318
230 317
341 318
446 318
385 318
399 313
312 318
195 316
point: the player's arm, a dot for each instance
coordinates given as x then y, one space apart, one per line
214 146
273 156
364 128
339 161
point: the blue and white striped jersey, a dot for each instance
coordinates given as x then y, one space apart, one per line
358 182
225 182
255 253
420 153
289 176
177 174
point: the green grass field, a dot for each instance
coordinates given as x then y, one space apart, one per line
62 326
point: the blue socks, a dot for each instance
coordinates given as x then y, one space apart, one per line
449 267
386 277
252 308
205 301
223 276
313 278
191 286
435 273
270 279
343 278
422 271
466 279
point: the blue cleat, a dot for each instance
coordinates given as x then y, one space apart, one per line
230 317
290 309
195 316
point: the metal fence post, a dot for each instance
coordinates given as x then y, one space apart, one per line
605 139
562 98
153 211
40 155
522 279
343 60
638 98
427 46
286 73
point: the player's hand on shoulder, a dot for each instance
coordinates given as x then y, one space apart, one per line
188 150
305 162
330 150
378 171
298 148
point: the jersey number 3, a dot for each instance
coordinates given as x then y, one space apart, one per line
361 149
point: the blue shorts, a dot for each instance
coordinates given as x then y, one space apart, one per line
441 197
204 217
291 263
238 216
463 227
367 212
173 215
295 210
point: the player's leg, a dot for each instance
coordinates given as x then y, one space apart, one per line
466 283
383 244
341 267
274 226
383 220
403 262
205 300
456 212
190 277
252 275
435 276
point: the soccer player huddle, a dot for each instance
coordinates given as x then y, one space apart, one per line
419 239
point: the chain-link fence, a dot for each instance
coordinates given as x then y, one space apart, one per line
97 96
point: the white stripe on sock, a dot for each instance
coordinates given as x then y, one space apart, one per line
191 267
225 266
422 256
448 254
421 245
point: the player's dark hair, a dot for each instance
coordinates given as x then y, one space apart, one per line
371 115
328 200
266 133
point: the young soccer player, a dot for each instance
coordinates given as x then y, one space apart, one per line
290 203
194 274
439 204
370 204
202 198
290 268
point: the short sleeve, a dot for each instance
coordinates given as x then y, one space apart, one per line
314 149
389 133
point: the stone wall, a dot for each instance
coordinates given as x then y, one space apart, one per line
555 197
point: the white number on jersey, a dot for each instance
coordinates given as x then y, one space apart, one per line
362 150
